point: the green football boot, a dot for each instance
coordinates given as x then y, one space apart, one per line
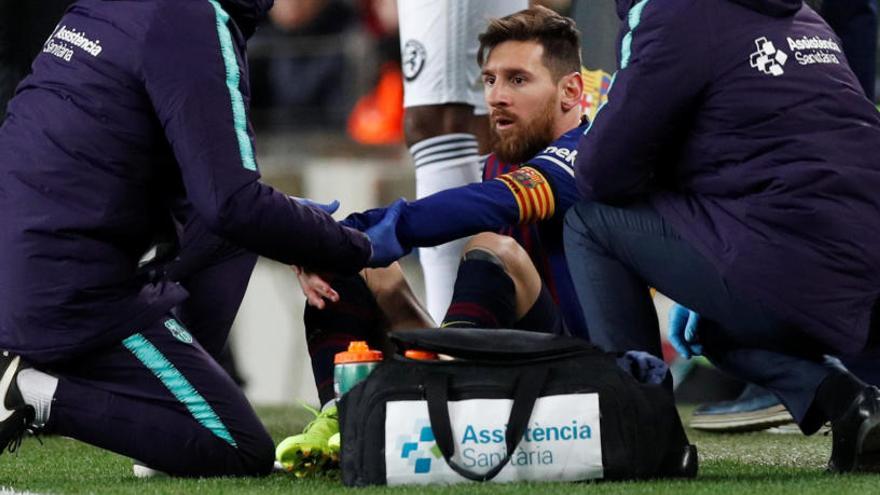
312 451
333 445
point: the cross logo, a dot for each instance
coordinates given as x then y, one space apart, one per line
421 452
768 59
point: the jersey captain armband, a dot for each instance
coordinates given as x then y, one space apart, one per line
532 192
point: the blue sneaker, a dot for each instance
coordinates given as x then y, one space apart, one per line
755 409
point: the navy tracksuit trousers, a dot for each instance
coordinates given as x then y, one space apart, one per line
159 396
615 253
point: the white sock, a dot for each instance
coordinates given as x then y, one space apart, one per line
440 267
37 390
443 162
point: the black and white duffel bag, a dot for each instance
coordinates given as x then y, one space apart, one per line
507 405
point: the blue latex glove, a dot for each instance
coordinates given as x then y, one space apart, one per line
683 328
383 237
364 220
328 208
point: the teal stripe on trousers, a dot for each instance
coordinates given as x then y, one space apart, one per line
178 385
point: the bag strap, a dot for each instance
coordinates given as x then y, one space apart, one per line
528 387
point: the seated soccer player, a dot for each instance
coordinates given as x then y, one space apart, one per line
530 64
445 122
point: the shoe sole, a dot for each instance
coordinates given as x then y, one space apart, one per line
307 463
143 472
742 422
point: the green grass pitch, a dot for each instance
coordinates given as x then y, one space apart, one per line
729 464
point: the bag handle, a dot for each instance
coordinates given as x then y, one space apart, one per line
528 387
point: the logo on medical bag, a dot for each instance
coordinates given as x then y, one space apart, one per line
421 452
768 59
178 331
413 59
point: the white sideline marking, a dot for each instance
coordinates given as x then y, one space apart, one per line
5 490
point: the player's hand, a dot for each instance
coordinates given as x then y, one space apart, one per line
364 220
315 288
383 237
328 208
684 331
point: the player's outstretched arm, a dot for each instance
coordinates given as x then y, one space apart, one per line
456 213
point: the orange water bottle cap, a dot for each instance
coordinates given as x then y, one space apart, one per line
420 355
358 352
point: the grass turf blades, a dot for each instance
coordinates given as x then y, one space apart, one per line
729 464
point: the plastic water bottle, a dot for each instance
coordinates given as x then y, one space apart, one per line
353 365
421 355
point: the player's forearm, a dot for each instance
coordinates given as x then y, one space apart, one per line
457 213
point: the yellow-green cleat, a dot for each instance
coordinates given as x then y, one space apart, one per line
334 443
314 450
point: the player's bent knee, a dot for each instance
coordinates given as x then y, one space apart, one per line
507 250
517 264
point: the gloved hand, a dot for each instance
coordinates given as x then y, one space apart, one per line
643 366
364 220
328 208
683 328
383 237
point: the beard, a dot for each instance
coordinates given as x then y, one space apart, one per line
526 139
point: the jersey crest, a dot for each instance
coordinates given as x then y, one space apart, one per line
597 83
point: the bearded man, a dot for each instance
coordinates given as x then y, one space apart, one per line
513 272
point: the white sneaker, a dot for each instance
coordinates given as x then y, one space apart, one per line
15 416
141 471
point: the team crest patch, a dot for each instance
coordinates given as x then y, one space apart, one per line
532 192
178 331
597 84
414 56
528 177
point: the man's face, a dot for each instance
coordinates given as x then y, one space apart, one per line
523 100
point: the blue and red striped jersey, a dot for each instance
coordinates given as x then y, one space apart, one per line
527 202
544 189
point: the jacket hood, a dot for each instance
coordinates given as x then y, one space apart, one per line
774 8
247 14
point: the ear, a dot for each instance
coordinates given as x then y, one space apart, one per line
571 89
